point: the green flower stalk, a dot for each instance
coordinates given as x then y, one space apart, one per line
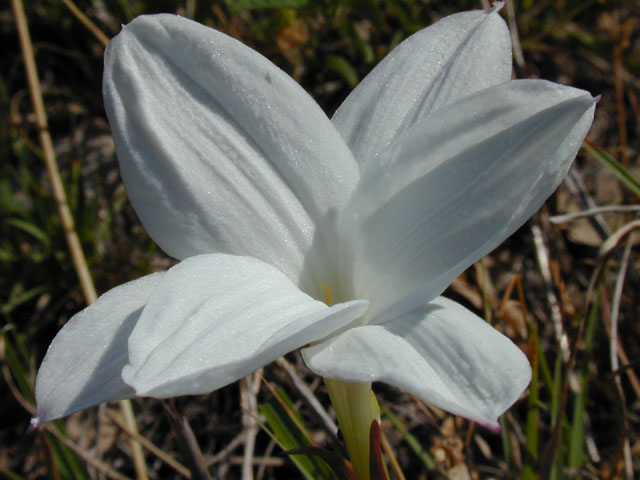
356 407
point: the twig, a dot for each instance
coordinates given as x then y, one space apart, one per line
514 281
77 255
137 454
627 368
86 21
615 310
268 461
310 399
515 38
618 83
568 355
576 186
15 391
391 455
73 242
605 67
97 464
267 453
614 240
568 217
487 289
226 451
547 459
158 452
190 9
249 387
188 442
542 255
603 255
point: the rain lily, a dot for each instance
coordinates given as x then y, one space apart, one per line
336 236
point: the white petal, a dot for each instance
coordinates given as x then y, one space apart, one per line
216 318
459 55
83 364
443 354
455 186
219 149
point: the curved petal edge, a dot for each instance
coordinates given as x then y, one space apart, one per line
83 364
216 318
456 56
220 150
442 353
452 188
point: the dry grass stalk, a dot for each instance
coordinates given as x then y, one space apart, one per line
86 21
73 242
158 452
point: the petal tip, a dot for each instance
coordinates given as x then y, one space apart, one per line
493 427
497 6
34 423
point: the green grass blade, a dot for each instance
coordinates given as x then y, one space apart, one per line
506 444
556 471
65 460
19 297
412 441
556 390
621 173
576 435
342 67
533 414
545 371
10 475
286 431
29 228
18 363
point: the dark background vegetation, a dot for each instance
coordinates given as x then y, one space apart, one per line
578 421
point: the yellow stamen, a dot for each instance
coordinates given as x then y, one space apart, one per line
328 294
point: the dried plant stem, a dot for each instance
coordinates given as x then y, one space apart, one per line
86 21
200 471
542 255
73 242
258 461
515 38
615 310
97 464
188 442
158 452
137 453
568 217
249 387
393 459
311 401
59 195
618 81
227 450
576 186
15 391
614 240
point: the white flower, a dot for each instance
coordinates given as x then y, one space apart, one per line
428 165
